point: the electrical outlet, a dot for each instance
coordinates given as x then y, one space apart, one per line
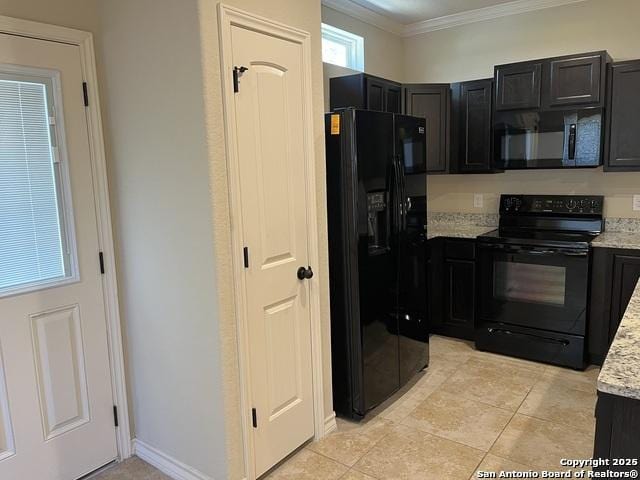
478 200
636 203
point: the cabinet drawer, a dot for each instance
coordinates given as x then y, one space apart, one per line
461 249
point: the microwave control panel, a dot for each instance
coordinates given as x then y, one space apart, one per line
558 204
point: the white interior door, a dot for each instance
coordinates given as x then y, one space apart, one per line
271 152
56 404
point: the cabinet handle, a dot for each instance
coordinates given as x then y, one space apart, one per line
572 141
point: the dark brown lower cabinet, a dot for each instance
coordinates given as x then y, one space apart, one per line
617 427
614 275
451 287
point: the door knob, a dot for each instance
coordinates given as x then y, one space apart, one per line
305 273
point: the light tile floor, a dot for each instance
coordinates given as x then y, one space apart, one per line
469 411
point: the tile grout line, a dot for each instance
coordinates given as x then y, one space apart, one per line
513 414
541 374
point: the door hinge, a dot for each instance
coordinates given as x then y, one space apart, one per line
237 71
115 415
254 418
85 94
101 260
246 257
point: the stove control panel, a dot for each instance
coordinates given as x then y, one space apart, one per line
553 204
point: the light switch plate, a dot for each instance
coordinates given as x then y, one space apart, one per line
636 203
478 200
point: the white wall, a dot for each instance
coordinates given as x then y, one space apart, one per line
154 121
470 51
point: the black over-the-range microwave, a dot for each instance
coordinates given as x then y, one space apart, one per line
548 139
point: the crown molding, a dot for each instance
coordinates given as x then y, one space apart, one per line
448 21
482 14
368 16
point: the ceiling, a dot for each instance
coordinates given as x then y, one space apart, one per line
411 11
413 17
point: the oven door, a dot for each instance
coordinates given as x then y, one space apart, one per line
534 287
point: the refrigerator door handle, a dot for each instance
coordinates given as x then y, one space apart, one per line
395 197
403 203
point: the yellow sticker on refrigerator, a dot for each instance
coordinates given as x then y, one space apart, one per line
335 124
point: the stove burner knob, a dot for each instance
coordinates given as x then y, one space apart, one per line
595 204
583 203
517 203
570 204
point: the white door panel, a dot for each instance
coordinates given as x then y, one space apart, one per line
271 148
53 337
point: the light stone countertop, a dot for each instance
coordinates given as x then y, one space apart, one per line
456 231
617 240
620 373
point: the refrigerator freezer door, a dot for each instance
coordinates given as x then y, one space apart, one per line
411 143
362 219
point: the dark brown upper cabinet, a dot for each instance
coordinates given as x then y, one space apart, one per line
471 126
577 79
518 86
552 83
393 96
622 139
432 102
365 91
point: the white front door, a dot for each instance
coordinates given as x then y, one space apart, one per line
56 404
271 153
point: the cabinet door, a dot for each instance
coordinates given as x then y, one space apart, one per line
432 103
518 86
575 80
471 130
622 147
376 92
626 272
459 293
347 91
393 100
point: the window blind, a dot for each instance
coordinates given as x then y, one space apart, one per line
31 241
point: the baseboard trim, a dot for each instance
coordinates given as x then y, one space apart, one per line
165 463
330 423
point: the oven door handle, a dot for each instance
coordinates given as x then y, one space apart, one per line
510 249
575 254
533 251
538 252
504 331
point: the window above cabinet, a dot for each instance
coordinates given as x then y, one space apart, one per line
342 48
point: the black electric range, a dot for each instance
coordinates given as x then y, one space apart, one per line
534 277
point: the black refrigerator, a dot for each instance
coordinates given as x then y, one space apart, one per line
376 199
